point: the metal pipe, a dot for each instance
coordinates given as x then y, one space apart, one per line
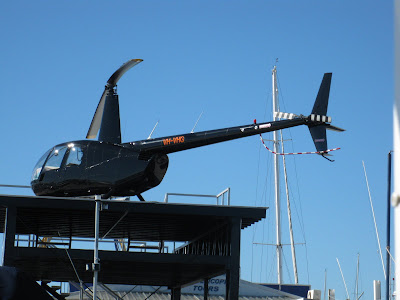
16 186
227 191
188 195
96 265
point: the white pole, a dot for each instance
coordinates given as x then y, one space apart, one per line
396 142
376 227
296 277
276 171
96 265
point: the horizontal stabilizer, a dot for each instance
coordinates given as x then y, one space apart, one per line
334 128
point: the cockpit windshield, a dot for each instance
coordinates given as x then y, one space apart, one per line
53 159
38 167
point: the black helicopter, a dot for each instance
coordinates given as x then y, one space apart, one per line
110 168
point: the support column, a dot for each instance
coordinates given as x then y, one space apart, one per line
9 236
205 296
227 284
233 273
176 293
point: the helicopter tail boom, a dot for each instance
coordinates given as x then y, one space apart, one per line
317 123
187 141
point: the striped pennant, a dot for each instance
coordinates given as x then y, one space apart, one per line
296 153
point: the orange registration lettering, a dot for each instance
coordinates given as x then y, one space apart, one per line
174 140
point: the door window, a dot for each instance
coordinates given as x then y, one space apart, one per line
55 159
74 156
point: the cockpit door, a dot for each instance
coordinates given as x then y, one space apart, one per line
73 171
50 174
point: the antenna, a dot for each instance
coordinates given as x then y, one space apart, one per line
153 130
358 271
196 122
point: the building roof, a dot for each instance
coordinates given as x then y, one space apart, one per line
150 221
167 296
247 291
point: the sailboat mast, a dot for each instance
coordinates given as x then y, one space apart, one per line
275 108
389 192
396 145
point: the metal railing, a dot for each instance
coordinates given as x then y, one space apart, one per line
221 198
33 241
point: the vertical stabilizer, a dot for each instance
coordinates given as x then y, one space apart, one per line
106 117
110 128
321 102
318 134
318 114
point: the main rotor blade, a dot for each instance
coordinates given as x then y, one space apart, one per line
121 71
111 83
98 116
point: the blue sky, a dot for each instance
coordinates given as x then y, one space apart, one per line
216 57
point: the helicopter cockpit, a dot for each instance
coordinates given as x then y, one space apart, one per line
59 156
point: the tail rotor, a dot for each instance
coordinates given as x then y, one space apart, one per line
318 121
